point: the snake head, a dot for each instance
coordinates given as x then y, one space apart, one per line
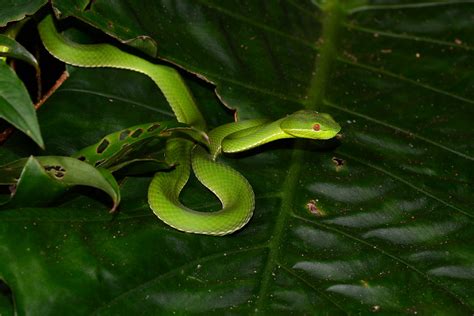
310 124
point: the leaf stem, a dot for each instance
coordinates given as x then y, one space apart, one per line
327 54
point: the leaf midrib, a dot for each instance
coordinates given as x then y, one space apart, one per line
316 90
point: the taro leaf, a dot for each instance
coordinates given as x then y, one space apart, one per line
15 10
382 223
16 106
38 181
11 48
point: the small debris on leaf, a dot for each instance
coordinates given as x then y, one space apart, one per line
313 208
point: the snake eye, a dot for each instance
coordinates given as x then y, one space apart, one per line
316 127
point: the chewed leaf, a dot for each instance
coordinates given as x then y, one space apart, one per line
11 48
136 143
40 180
16 106
34 186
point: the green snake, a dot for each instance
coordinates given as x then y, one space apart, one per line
233 190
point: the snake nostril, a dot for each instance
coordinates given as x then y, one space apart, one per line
316 127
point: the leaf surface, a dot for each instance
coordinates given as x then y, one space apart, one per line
16 106
17 9
11 48
379 222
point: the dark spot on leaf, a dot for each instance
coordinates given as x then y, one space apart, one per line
81 158
59 174
338 162
313 208
124 134
137 133
98 162
102 146
153 127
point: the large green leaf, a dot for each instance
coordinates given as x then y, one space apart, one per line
15 10
382 222
16 106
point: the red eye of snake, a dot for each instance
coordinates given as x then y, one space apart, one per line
316 127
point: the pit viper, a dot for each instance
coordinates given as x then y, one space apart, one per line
232 189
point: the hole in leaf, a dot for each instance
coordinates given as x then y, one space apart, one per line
137 133
102 146
153 127
124 134
57 168
338 161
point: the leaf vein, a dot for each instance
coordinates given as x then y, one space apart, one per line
173 272
256 24
415 5
319 291
401 180
398 129
402 78
389 255
114 97
407 37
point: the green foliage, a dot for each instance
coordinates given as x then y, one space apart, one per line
38 181
11 48
15 10
16 106
380 220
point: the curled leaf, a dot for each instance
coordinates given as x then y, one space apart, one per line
40 180
11 48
